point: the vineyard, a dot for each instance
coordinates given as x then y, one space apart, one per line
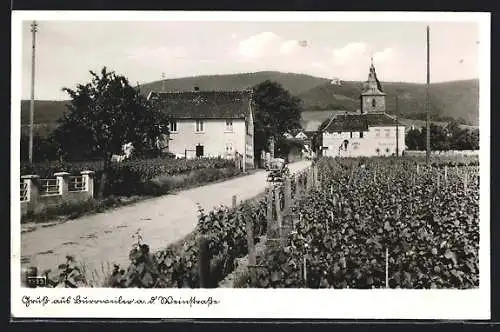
343 223
388 224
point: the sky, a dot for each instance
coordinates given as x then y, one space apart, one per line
142 51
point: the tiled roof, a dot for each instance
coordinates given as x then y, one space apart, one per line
359 122
204 104
380 119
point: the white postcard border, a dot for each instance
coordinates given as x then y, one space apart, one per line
269 303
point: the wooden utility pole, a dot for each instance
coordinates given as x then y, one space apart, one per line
428 121
397 127
162 82
34 29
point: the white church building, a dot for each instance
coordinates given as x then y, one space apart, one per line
369 132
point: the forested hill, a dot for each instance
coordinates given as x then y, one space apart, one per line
457 99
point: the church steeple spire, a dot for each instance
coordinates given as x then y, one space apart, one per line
372 84
372 95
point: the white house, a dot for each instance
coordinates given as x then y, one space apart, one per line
209 123
371 132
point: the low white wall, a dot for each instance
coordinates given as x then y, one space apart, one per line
444 153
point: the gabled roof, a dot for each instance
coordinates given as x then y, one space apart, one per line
204 104
347 122
380 119
359 122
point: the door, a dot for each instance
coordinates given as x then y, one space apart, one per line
199 151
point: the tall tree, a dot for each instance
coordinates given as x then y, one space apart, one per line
103 115
277 112
413 139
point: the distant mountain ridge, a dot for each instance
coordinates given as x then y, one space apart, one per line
458 99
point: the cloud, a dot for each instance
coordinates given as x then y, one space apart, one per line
258 45
385 55
289 46
349 53
318 65
267 44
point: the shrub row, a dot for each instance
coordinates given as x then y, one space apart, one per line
143 176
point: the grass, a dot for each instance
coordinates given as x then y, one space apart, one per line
96 277
67 211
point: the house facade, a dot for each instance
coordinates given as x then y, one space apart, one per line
369 132
209 123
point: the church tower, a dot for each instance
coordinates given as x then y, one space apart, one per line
372 96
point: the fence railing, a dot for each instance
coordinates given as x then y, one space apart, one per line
24 191
37 194
76 183
49 187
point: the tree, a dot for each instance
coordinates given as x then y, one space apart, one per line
413 139
44 149
103 115
466 140
277 112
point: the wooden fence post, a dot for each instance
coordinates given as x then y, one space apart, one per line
204 262
297 186
269 213
386 267
279 220
234 201
305 269
446 174
288 193
317 177
252 259
466 180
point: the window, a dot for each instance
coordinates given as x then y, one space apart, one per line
387 132
229 125
229 148
373 102
377 132
172 126
199 126
360 134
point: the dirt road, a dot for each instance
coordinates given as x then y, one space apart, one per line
107 237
